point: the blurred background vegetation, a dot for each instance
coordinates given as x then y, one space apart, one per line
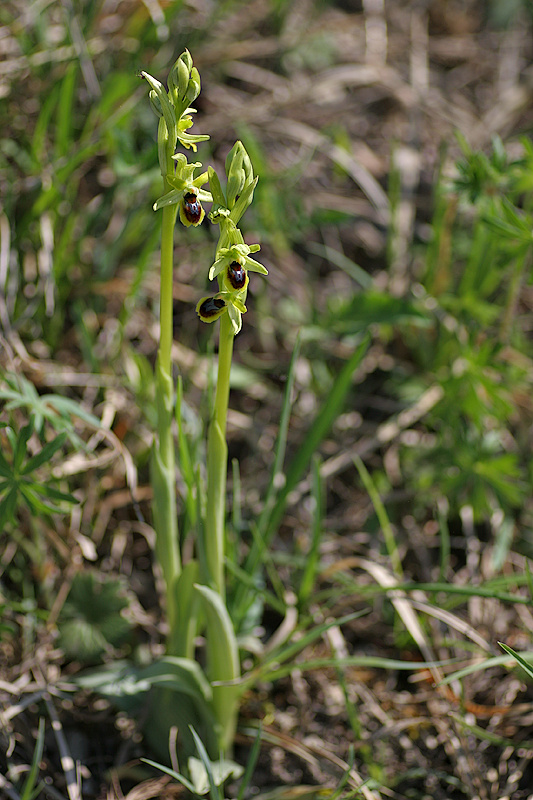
392 141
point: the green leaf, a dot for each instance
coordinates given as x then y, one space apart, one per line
210 776
181 639
62 497
319 428
223 663
91 621
173 774
373 307
32 493
181 696
20 450
66 406
8 505
44 455
220 771
526 666
5 469
30 790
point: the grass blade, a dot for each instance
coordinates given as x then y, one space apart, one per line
30 790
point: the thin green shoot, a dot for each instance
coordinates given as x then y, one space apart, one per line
31 789
250 765
381 513
524 663
308 578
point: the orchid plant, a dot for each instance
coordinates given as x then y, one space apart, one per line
188 696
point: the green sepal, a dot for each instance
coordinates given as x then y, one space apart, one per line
169 199
216 188
175 196
191 139
245 198
235 315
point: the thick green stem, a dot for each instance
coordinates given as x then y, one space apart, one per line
225 353
217 463
163 459
167 263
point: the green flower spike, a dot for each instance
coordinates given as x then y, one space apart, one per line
173 108
239 253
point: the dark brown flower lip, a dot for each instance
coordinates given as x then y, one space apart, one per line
192 208
236 274
211 306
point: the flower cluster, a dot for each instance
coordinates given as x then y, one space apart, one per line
233 259
174 112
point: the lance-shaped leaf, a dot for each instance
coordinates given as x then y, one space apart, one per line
223 663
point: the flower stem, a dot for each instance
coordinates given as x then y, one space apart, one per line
163 456
217 462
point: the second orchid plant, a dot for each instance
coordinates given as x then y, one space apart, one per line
203 699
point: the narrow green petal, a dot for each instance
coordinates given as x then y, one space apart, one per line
235 317
255 266
169 199
218 267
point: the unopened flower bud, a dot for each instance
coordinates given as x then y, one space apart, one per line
194 86
178 79
156 104
236 174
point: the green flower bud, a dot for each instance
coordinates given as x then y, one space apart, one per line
247 166
194 86
236 174
178 81
156 104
